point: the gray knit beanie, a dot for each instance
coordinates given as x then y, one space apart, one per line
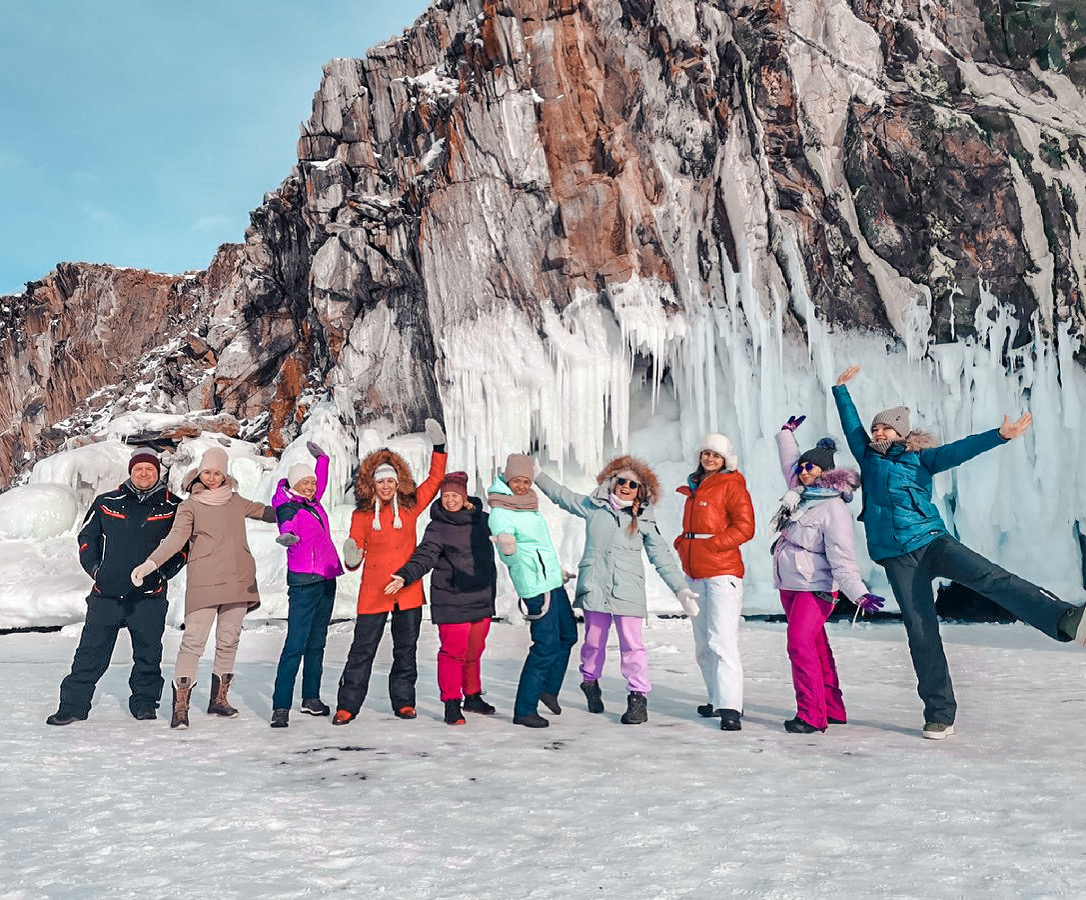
896 417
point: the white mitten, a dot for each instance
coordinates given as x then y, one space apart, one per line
435 432
352 556
689 601
507 544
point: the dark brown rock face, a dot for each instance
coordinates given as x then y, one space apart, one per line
507 163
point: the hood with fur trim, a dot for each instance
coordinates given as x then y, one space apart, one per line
645 475
917 440
364 488
845 481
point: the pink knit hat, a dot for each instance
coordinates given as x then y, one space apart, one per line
456 483
216 460
517 465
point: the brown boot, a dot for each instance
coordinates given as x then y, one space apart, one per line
182 690
219 705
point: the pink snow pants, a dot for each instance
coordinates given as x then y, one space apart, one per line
458 659
814 675
634 659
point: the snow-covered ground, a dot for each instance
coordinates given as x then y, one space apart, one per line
112 807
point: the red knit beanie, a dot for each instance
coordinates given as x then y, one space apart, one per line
145 455
456 483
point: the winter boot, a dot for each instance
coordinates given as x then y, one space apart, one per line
799 726
476 704
406 712
182 690
551 702
315 707
63 718
280 718
729 720
593 695
637 709
342 717
706 711
453 716
143 713
218 704
532 720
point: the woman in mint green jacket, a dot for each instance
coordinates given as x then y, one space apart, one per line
525 546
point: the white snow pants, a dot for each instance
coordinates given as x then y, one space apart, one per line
716 638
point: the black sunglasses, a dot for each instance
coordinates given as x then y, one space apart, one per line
622 482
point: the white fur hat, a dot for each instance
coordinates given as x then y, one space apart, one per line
718 443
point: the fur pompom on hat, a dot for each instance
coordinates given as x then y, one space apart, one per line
718 443
821 454
896 417
298 472
390 465
145 455
214 460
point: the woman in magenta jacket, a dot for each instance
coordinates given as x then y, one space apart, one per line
312 568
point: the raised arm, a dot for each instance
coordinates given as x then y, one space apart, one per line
788 452
570 501
428 489
320 468
855 434
175 541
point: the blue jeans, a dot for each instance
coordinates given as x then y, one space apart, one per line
309 611
553 636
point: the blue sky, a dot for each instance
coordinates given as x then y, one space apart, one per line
141 133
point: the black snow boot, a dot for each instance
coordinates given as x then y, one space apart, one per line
637 709
730 720
182 690
532 720
218 704
63 718
594 696
280 718
476 704
453 716
551 702
799 726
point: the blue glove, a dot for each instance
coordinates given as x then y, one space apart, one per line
793 423
870 603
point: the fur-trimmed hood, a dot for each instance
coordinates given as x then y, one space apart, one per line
645 475
917 440
365 489
845 481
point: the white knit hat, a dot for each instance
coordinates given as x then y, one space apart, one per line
383 471
299 471
718 443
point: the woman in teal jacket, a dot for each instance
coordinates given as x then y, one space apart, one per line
525 546
619 524
907 537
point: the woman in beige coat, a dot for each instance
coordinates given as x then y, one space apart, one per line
221 578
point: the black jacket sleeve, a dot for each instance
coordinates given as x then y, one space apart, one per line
423 559
90 541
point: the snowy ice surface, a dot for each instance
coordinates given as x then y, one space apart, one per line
674 808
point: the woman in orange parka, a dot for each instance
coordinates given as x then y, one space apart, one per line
717 519
383 532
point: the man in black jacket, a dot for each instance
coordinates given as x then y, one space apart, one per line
120 531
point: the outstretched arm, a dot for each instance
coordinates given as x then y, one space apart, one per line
855 435
570 501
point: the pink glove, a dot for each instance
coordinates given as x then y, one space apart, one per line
793 423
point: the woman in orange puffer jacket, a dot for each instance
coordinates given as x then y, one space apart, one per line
717 519
383 532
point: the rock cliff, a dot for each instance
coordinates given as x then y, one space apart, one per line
517 190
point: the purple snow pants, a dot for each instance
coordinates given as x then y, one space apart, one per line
814 675
634 658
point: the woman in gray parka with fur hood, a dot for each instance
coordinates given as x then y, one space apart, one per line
619 523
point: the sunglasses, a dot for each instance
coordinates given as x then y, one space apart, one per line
622 482
806 467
